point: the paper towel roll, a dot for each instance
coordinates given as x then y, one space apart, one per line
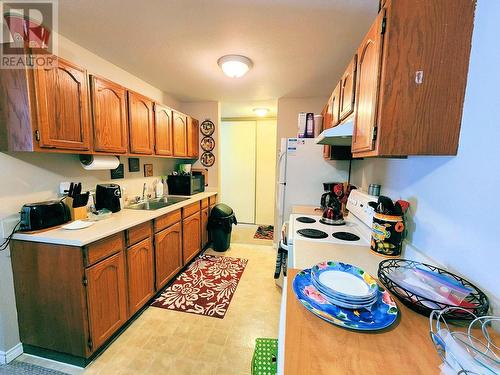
99 162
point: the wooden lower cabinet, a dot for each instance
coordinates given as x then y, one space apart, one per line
107 298
140 274
191 238
204 231
168 254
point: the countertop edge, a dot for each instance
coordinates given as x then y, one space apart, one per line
136 218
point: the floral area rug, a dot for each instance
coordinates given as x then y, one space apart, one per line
264 232
205 288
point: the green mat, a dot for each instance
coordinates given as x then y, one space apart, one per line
265 357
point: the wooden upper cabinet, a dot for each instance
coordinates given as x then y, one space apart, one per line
180 131
411 78
368 77
140 120
163 131
333 107
109 111
62 107
193 138
140 271
347 90
191 237
107 298
168 254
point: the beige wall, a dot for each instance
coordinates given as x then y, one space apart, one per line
32 177
202 111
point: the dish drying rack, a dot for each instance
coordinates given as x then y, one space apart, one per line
469 351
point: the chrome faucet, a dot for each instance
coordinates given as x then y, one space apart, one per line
144 192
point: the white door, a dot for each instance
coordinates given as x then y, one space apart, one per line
237 168
265 186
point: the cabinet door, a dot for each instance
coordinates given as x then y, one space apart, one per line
204 231
140 272
109 103
163 131
107 299
62 107
140 121
334 106
180 134
347 90
368 76
191 237
193 138
168 254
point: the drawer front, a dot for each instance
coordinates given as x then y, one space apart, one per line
139 233
101 249
191 209
212 200
167 220
204 203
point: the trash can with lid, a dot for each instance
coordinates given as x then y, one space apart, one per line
220 225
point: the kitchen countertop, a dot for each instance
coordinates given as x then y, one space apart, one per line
119 221
313 346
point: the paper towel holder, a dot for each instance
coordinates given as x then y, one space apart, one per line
87 160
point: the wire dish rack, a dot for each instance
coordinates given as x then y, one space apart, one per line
470 351
475 304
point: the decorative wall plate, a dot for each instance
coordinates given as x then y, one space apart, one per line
207 128
207 159
207 144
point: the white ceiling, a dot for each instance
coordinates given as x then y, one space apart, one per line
299 47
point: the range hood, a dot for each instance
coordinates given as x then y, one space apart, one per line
340 135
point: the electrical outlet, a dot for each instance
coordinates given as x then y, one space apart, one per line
8 225
64 188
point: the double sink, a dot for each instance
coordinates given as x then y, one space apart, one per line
156 203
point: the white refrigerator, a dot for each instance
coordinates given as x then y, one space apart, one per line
301 172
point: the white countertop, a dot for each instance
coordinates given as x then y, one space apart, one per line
119 221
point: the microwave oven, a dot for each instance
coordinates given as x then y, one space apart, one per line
186 184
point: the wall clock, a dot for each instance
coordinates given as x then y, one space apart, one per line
207 128
207 144
207 159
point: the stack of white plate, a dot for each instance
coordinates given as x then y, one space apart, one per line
345 285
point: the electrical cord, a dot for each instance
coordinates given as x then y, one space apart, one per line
5 243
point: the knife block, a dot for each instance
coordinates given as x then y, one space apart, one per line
78 213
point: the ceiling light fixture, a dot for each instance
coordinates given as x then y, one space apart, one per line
235 66
261 112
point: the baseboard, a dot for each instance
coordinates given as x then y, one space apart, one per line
11 354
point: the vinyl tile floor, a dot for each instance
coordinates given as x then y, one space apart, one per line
161 341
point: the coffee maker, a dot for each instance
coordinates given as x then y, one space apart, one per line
108 196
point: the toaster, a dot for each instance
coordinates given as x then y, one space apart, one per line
41 215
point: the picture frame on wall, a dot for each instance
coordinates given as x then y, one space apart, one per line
148 170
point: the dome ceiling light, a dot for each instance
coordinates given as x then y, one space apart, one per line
235 66
261 112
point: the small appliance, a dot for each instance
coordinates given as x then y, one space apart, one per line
187 184
108 196
42 215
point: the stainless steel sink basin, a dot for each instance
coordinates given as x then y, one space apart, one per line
155 204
